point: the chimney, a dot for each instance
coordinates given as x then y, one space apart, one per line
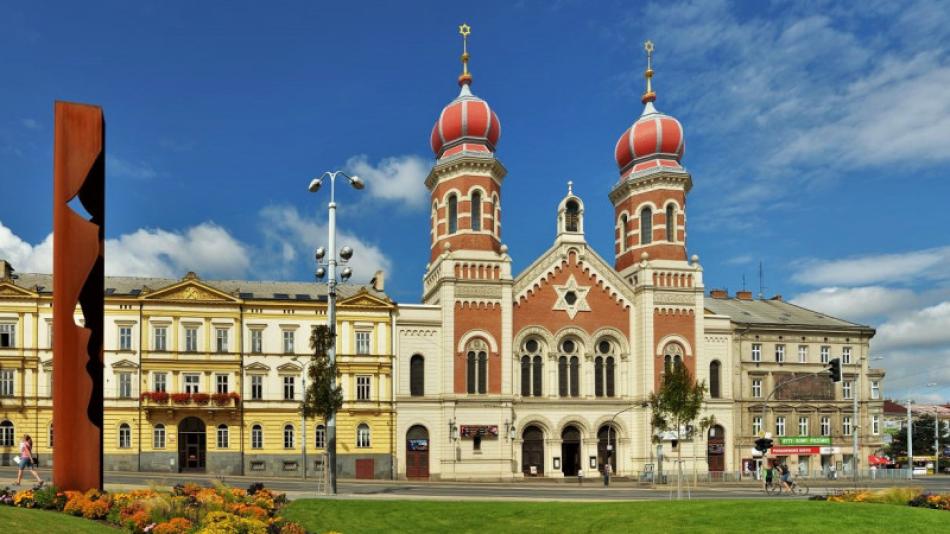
6 270
744 295
777 297
719 294
378 281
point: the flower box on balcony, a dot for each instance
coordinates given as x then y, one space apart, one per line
221 399
201 399
181 398
155 397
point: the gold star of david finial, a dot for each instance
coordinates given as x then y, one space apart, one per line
649 95
465 30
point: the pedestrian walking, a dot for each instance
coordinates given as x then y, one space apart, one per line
27 460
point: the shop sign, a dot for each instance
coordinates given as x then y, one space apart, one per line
794 450
830 450
470 431
805 440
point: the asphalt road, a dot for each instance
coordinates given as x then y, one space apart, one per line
533 490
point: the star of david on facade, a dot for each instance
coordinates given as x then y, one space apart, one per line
571 297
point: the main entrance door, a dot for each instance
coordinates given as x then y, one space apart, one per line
603 451
417 452
570 451
716 449
532 452
192 444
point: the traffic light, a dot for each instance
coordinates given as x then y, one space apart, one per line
834 365
763 445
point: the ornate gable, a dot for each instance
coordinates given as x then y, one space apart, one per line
191 288
10 290
558 258
364 299
257 367
124 364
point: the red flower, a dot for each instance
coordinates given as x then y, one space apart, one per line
201 399
181 398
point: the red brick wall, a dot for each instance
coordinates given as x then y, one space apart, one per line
463 185
535 310
485 317
673 321
659 249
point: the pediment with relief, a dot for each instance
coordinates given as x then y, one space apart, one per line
10 290
191 290
364 299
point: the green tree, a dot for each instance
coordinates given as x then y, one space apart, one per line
323 398
675 405
923 439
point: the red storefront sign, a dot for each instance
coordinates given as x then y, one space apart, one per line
795 450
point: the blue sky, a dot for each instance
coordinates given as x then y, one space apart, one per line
817 136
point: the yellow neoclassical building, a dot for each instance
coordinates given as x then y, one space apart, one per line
207 375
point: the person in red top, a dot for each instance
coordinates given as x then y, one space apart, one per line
26 460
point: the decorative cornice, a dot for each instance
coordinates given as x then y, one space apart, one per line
656 177
465 163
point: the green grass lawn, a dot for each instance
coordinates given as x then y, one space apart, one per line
801 517
41 521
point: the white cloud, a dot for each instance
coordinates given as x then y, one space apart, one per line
31 124
928 327
123 168
207 249
901 268
398 179
857 304
290 240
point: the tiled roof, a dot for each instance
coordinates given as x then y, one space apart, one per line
245 289
776 312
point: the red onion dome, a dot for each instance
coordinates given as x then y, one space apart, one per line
654 140
467 124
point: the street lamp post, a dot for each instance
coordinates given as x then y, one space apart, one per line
330 271
303 417
936 434
910 441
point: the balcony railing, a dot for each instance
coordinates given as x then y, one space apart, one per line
161 399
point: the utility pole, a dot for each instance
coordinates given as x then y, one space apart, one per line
910 441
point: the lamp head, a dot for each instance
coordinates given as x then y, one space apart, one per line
320 253
346 253
357 182
321 272
346 273
315 185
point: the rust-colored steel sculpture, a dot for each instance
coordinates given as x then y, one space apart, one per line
79 155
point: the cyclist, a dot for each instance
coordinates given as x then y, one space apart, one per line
786 475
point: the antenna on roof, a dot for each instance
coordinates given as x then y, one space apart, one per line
743 282
761 281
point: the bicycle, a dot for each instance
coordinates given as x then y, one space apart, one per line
796 488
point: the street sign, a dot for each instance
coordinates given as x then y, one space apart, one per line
805 440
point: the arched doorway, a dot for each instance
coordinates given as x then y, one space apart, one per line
603 451
192 444
532 452
716 449
570 451
417 452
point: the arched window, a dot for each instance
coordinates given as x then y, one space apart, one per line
562 376
667 363
525 376
453 214
158 436
417 375
714 379
257 437
320 440
575 376
646 226
6 434
362 436
482 371
222 436
476 211
288 436
623 233
599 376
477 366
494 214
609 372
572 216
670 223
538 375
673 355
125 436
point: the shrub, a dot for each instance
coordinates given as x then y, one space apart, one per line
177 525
97 509
225 523
49 498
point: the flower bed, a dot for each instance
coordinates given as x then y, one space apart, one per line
186 509
900 496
